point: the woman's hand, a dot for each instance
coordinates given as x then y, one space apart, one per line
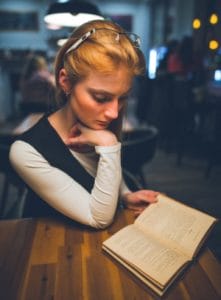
138 201
81 135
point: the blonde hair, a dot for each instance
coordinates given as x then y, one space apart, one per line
97 53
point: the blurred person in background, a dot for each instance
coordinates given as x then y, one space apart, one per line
37 86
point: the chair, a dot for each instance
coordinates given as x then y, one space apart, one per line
138 148
183 115
10 179
213 144
174 113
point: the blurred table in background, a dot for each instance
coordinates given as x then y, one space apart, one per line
27 123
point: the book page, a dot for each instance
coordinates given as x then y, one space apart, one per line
179 224
150 257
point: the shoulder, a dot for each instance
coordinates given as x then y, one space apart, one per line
21 153
20 145
41 130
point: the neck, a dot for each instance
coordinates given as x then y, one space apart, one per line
62 121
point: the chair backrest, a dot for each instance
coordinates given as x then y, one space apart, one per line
10 179
4 159
181 95
138 148
6 139
6 168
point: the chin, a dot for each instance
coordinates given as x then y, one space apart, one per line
95 125
99 127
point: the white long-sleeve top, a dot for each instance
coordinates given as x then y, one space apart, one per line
63 193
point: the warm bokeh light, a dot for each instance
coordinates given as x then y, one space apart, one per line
196 23
213 44
213 19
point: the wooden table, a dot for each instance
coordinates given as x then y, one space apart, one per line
60 260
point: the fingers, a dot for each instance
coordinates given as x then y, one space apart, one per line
148 196
74 141
76 137
139 200
75 131
150 193
137 206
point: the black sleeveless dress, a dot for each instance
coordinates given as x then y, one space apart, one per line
43 137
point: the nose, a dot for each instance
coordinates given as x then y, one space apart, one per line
112 109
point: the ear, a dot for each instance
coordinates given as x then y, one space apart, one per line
64 81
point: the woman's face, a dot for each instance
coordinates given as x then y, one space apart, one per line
97 100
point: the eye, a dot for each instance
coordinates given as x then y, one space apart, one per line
101 98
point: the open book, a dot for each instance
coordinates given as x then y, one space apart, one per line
161 242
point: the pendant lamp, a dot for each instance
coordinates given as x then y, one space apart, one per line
71 13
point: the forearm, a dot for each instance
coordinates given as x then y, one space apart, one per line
105 192
63 193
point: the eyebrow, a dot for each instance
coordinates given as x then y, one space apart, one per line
100 91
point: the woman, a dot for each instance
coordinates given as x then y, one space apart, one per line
71 159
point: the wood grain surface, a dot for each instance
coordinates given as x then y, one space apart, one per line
61 260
